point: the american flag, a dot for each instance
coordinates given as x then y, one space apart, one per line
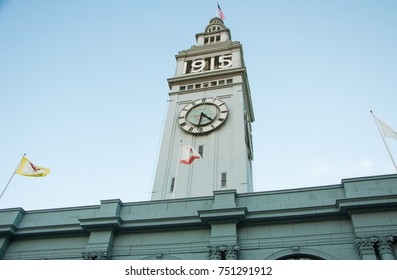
220 12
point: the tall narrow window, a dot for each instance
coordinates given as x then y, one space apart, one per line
172 185
201 150
223 180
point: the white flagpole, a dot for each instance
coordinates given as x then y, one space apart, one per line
384 141
176 171
12 176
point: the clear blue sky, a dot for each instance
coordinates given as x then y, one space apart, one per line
83 91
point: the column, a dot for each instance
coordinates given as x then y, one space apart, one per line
365 247
385 248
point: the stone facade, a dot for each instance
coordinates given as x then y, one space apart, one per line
354 220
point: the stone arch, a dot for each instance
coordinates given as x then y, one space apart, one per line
300 253
160 256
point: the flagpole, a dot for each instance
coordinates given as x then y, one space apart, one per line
384 141
177 168
12 176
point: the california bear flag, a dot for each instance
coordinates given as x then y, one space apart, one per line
188 154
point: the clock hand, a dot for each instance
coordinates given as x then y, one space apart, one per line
201 116
210 119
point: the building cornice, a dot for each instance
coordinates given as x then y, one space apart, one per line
214 74
208 49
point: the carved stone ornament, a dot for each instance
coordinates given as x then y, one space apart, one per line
214 253
385 243
381 247
223 252
385 247
96 255
231 252
366 245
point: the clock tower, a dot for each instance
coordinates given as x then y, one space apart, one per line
209 109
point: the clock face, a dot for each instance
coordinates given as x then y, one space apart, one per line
203 115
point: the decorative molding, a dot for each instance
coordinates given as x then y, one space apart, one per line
365 246
298 252
381 247
385 249
100 223
223 252
368 203
96 255
227 215
231 252
260 219
214 253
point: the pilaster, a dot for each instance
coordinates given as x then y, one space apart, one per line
366 249
385 248
9 222
376 247
223 218
4 241
102 228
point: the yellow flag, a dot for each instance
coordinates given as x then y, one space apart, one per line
26 168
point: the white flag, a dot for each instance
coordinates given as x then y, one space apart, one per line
387 131
188 154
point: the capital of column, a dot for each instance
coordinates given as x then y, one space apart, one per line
384 246
96 255
223 252
231 252
214 253
366 249
376 247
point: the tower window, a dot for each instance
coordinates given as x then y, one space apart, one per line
201 150
182 88
229 81
172 184
223 179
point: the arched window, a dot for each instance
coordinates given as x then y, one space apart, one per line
300 257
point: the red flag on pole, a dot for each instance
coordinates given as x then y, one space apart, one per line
188 155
